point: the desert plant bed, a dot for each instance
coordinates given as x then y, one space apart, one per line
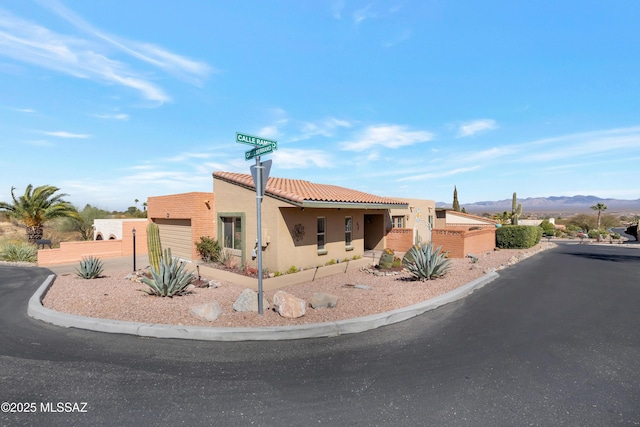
114 297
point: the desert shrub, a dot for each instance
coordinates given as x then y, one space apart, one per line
18 252
292 269
548 229
397 262
330 262
594 234
426 263
169 280
90 268
209 249
615 236
518 236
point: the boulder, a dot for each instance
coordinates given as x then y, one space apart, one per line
288 305
248 301
209 311
323 300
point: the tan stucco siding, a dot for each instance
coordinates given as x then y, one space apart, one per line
417 217
290 231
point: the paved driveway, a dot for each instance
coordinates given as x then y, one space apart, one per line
553 341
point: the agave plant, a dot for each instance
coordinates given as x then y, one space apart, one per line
90 268
170 279
425 262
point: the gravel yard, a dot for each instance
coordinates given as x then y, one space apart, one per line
114 297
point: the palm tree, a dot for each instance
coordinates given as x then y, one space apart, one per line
599 207
36 207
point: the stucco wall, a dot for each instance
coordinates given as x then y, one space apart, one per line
70 252
108 228
291 231
460 243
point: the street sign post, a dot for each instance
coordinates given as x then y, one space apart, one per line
260 174
260 150
244 138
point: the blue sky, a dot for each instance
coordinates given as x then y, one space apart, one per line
115 100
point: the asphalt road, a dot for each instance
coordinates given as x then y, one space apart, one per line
553 341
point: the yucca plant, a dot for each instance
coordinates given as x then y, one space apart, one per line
90 268
425 262
169 280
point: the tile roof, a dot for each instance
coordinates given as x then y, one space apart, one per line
471 216
302 192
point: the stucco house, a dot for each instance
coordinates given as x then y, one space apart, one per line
305 224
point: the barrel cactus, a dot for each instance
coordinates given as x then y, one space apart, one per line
386 259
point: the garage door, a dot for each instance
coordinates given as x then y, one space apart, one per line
176 234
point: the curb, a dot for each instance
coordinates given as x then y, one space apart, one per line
37 311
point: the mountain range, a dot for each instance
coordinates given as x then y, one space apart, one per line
574 204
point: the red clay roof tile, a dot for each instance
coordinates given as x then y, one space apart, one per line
299 191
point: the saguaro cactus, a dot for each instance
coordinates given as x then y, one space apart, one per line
516 210
154 246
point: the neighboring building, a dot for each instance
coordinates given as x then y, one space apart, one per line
461 234
535 222
448 218
111 229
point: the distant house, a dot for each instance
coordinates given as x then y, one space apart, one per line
448 218
111 229
461 234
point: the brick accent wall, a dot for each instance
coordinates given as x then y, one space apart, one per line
70 252
459 243
399 239
196 206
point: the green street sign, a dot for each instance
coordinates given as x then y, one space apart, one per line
244 138
259 151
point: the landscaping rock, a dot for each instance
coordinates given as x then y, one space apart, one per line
210 311
323 300
288 305
248 301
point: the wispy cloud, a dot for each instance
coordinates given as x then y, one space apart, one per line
64 134
39 143
402 37
336 8
361 14
473 127
88 57
21 110
298 158
389 136
189 155
440 174
326 128
112 116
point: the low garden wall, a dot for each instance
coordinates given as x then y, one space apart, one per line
460 243
400 239
70 252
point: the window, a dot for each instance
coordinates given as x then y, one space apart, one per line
347 231
397 222
321 232
232 232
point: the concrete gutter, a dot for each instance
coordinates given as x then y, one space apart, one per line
316 330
